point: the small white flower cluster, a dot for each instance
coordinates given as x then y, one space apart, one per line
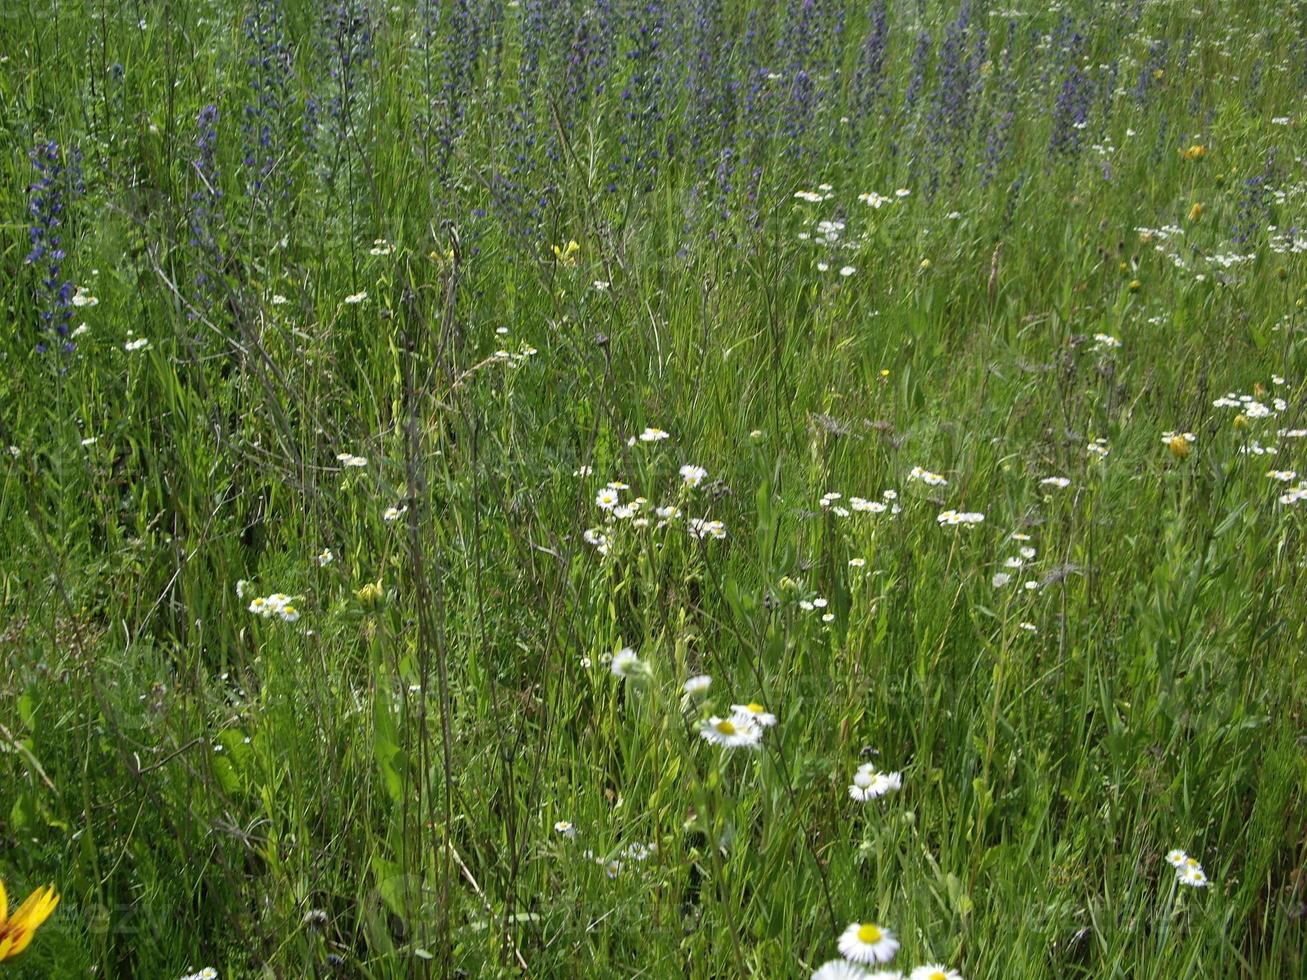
638 509
860 505
1294 494
1255 448
82 297
828 231
207 973
354 299
702 527
954 518
515 359
350 461
871 784
650 434
1250 406
140 343
1023 555
818 604
275 606
637 853
1098 447
865 944
927 477
1105 341
878 201
1056 482
392 514
381 247
823 193
596 539
1283 476
1187 870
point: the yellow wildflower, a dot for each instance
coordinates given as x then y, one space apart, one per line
16 931
567 254
370 594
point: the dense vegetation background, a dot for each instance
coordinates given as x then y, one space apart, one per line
384 310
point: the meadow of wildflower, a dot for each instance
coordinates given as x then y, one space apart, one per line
653 488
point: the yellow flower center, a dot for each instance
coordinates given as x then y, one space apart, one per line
868 934
937 975
755 708
726 728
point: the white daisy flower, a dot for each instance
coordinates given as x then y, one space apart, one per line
702 528
933 971
692 476
650 434
1000 579
565 828
927 477
839 970
325 557
755 712
627 664
353 299
1060 482
738 731
697 685
392 514
868 784
606 498
1176 858
865 942
1192 876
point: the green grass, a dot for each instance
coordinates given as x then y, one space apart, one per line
195 779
